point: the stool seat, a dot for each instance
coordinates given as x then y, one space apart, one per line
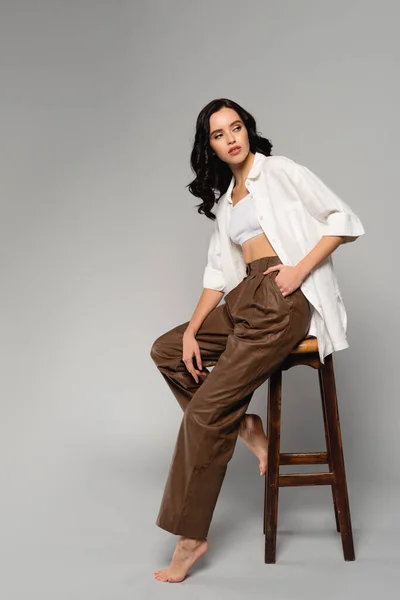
307 345
306 353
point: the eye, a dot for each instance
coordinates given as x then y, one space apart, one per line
237 127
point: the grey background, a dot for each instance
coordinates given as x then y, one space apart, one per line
102 250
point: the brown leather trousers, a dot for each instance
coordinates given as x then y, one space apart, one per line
245 340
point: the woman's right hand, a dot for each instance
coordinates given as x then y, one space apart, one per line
190 349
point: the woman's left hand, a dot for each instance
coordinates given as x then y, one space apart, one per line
288 278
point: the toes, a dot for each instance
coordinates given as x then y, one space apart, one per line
163 576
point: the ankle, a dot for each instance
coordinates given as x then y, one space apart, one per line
189 542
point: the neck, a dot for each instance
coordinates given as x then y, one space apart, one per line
241 171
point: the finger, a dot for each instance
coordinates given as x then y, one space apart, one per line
194 375
189 364
198 358
274 268
190 367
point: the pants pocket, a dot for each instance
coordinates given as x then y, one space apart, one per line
287 299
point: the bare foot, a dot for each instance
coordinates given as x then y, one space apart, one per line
186 553
252 433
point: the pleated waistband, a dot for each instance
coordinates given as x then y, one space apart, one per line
262 264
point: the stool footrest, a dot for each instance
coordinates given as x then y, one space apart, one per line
295 479
304 458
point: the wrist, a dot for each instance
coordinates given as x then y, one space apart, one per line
302 271
190 330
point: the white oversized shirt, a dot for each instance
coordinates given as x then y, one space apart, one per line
295 209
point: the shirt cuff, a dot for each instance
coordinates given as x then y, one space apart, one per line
340 223
213 279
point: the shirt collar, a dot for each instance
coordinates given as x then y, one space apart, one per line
252 174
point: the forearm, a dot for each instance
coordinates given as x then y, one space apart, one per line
326 245
209 299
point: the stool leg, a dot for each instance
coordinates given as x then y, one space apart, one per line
328 446
265 485
272 475
337 458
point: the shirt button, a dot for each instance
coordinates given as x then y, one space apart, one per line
261 216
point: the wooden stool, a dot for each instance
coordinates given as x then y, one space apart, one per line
306 353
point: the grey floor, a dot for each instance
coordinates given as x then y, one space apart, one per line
99 101
79 524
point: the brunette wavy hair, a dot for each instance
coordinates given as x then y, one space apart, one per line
212 174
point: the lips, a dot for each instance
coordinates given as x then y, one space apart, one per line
234 148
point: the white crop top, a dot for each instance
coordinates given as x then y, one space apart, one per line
244 223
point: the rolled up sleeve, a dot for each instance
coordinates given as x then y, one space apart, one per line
334 216
213 277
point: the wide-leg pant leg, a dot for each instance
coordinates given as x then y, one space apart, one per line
267 326
167 349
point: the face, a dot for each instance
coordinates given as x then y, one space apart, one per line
227 130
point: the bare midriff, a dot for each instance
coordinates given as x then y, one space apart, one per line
257 246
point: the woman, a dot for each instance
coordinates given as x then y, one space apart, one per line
275 226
